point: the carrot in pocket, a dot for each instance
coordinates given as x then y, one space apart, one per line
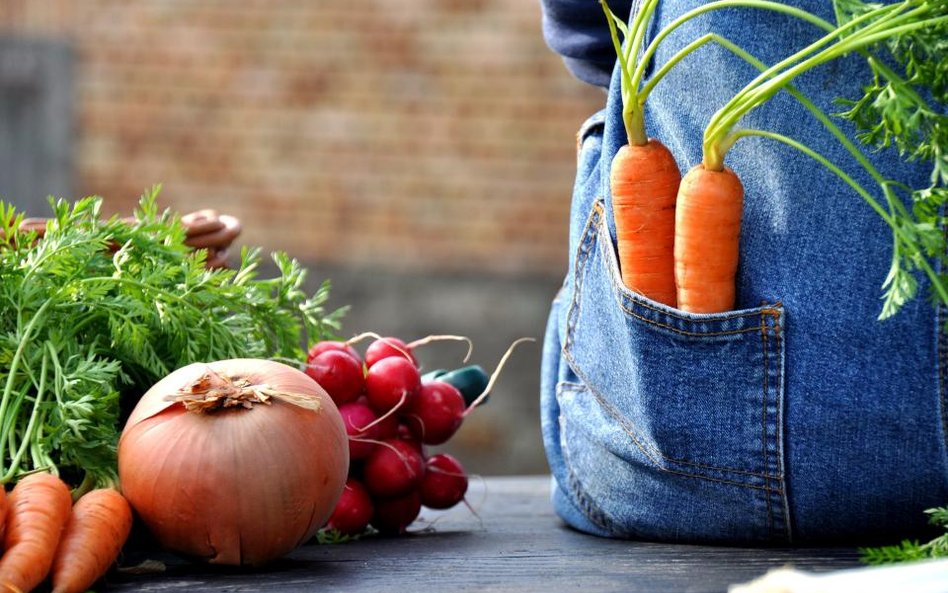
643 178
711 197
97 529
707 234
38 510
644 181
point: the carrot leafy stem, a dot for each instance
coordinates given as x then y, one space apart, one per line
910 550
633 37
97 308
904 111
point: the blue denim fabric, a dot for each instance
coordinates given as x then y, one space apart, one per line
797 418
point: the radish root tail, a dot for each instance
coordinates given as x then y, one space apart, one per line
360 337
439 338
496 373
356 339
401 402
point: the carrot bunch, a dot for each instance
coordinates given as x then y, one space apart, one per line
677 239
46 535
708 204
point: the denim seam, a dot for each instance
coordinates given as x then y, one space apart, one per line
579 267
777 524
592 124
764 440
941 318
590 509
747 330
941 351
624 302
582 257
779 436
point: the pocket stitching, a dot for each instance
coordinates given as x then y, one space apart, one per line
655 456
579 265
590 509
626 297
778 506
941 347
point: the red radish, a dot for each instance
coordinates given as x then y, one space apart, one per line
353 511
436 413
405 434
386 347
394 515
332 345
391 382
445 482
338 373
359 418
388 426
393 469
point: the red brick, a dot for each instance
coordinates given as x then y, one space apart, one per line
432 134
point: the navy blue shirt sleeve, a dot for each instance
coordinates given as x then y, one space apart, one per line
577 30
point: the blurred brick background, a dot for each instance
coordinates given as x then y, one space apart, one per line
419 153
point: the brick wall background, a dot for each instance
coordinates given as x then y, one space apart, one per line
420 153
419 134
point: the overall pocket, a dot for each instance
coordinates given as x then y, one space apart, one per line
670 423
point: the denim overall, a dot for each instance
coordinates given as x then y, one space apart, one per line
799 417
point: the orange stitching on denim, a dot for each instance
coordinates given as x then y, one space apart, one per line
782 491
579 263
764 440
623 300
582 256
766 487
941 352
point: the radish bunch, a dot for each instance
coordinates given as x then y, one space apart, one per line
391 413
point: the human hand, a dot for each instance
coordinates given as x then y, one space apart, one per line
206 229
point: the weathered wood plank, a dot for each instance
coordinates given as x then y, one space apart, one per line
515 545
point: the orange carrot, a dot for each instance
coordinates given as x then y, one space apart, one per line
39 508
4 504
97 529
643 177
707 232
644 182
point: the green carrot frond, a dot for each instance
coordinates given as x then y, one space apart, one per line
906 110
81 324
627 49
910 550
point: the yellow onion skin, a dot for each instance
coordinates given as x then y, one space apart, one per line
236 486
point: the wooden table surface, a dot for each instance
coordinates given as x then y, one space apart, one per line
514 544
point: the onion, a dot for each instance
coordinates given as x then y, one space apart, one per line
234 462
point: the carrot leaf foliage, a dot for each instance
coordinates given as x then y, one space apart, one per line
97 310
903 108
910 550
